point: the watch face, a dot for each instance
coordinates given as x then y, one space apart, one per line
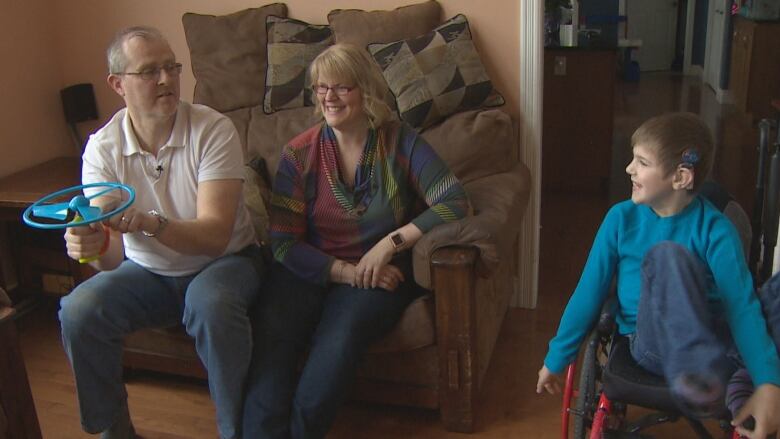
397 239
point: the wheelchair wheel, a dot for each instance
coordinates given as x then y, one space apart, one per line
587 396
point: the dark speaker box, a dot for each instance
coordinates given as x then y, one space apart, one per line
78 102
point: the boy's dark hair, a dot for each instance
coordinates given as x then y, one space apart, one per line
678 139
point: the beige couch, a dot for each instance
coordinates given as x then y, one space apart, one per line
439 353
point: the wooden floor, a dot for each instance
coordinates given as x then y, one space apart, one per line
169 408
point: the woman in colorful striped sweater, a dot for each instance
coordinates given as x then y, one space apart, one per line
351 196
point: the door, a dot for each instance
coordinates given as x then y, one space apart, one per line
713 53
655 23
741 57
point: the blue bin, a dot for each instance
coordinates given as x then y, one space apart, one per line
631 72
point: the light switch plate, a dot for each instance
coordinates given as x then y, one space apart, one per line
559 66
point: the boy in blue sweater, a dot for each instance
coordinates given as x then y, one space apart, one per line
686 298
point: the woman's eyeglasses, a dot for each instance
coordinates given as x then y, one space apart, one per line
340 90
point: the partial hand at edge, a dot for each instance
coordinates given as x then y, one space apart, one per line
548 381
764 407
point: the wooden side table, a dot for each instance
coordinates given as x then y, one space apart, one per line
27 246
18 419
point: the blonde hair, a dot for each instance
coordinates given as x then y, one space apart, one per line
678 138
351 64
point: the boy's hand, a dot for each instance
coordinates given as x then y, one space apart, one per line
764 406
548 381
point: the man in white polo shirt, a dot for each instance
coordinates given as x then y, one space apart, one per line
183 252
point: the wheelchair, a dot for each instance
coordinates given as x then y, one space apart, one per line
610 380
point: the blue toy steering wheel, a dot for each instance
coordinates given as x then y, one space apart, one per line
77 211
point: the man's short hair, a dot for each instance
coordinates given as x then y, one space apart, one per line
678 138
117 59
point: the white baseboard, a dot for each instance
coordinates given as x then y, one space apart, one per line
723 96
695 70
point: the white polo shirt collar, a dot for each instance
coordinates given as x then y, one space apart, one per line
176 140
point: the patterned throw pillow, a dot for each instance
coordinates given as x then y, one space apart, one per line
292 46
436 74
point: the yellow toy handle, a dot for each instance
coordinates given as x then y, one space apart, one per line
89 259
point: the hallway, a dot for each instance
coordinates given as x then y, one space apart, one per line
169 408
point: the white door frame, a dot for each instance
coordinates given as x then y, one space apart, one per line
688 68
530 150
720 43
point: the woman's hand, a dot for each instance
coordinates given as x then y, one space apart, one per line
389 278
368 270
548 381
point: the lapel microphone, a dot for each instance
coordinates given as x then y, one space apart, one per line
159 170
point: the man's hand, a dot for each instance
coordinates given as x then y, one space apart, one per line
548 381
764 407
84 242
369 269
132 220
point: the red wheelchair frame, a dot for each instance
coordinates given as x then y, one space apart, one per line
604 414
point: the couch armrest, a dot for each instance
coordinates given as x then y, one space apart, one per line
499 201
454 273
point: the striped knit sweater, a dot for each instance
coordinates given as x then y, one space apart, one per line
316 218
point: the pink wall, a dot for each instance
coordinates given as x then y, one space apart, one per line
32 127
86 26
70 37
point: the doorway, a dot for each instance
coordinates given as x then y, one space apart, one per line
655 23
717 24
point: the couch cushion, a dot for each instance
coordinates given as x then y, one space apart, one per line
292 46
415 329
436 74
228 56
240 119
268 133
475 143
354 26
256 193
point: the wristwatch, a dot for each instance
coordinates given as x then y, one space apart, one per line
398 241
162 221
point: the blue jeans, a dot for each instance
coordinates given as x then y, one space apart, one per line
213 306
337 323
676 331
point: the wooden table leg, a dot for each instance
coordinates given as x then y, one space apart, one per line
16 402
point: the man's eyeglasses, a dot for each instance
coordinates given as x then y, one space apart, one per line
340 90
154 74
